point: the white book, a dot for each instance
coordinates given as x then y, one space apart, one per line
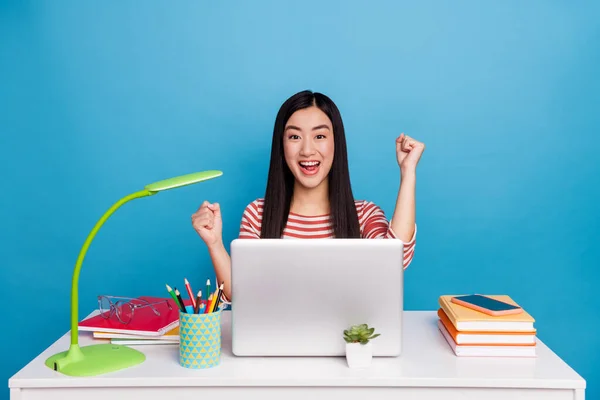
169 336
131 342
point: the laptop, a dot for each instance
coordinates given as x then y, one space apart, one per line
295 297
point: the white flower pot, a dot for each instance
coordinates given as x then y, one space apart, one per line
359 355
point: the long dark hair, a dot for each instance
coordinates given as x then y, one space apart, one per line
280 183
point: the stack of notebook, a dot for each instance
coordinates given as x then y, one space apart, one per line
170 337
145 327
474 333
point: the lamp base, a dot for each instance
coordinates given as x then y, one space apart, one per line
94 360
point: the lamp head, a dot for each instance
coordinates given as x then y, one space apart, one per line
182 180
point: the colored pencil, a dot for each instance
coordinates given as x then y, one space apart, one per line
172 293
198 302
208 287
211 307
206 310
190 293
219 294
182 308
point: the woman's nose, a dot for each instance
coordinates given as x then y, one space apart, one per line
308 148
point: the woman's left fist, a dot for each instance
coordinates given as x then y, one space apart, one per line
408 152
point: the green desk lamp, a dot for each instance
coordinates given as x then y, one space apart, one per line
102 358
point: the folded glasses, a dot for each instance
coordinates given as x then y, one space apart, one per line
124 308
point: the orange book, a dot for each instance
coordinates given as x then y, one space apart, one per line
465 319
462 350
475 338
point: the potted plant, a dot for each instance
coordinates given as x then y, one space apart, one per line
359 352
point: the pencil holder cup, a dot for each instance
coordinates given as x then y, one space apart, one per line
199 339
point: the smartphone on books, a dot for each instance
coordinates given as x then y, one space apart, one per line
486 305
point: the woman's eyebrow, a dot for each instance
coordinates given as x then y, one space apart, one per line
292 127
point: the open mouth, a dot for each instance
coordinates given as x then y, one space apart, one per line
309 167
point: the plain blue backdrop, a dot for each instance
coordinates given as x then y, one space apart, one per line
99 99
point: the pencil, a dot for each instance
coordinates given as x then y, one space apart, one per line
219 294
172 293
190 293
211 307
208 287
207 309
182 308
198 301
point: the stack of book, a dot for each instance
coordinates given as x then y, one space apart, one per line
146 327
474 333
170 337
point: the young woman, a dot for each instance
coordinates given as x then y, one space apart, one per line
308 192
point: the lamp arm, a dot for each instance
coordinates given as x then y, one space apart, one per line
86 245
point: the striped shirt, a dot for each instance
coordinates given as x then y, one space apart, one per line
372 221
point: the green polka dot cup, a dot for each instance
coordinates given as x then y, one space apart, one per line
199 340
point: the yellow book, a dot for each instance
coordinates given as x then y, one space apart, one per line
466 319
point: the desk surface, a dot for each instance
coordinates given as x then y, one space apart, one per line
427 361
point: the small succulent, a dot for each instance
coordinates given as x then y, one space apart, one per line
359 334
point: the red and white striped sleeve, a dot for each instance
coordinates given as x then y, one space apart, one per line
376 226
409 247
251 221
249 227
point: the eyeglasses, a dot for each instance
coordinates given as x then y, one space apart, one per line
125 307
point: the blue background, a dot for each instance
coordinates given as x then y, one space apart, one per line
97 100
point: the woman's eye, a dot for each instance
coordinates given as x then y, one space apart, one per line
320 136
294 137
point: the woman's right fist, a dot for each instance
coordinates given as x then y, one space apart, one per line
207 222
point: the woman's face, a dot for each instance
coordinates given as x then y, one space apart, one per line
308 146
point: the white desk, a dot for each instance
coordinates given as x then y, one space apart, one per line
427 369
